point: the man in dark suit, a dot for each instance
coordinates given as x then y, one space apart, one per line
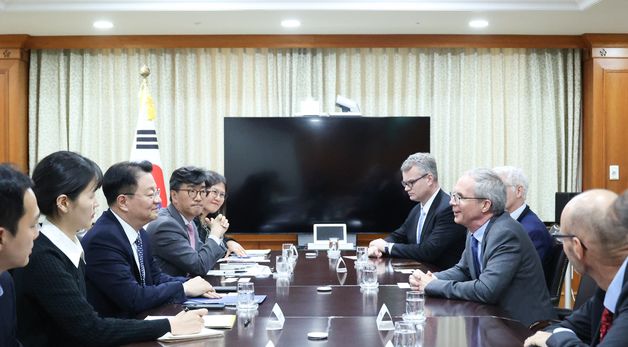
516 191
18 229
122 277
429 234
594 230
174 236
499 264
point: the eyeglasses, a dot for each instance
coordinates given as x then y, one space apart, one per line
193 193
559 236
153 195
455 197
216 193
410 183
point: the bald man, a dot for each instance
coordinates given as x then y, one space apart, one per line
594 230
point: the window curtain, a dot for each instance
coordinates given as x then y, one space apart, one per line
488 107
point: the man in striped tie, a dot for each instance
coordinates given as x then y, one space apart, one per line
594 231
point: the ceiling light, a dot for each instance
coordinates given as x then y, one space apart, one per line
290 23
478 23
103 24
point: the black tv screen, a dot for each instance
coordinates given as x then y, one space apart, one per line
286 174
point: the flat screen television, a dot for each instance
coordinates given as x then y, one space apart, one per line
285 174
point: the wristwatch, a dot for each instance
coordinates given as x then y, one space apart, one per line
387 248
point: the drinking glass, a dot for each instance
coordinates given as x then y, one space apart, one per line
361 255
405 335
333 243
286 249
283 266
368 277
415 306
246 296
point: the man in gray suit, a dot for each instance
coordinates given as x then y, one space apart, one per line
173 236
499 264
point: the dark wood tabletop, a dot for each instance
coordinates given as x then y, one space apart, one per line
348 313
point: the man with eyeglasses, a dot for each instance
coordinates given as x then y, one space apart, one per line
594 232
499 265
122 278
516 190
429 234
174 236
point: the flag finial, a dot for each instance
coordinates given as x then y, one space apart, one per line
144 71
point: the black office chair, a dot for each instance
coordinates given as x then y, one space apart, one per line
585 291
554 267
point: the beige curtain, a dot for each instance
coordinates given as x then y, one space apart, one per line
488 107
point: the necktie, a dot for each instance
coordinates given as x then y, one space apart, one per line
605 324
419 225
140 258
191 235
474 250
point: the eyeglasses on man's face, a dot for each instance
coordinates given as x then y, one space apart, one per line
193 193
456 198
216 193
410 183
559 235
154 195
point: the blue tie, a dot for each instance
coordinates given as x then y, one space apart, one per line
474 250
418 226
140 258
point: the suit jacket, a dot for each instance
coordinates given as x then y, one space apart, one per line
442 240
171 246
53 309
537 231
113 278
511 277
585 322
8 333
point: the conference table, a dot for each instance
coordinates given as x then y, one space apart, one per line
348 313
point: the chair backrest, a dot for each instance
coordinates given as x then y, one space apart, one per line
585 291
554 267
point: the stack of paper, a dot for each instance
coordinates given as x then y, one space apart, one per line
220 321
203 334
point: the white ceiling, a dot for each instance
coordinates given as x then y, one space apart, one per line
159 17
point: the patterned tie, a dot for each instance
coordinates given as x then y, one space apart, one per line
140 258
474 250
419 226
191 235
605 324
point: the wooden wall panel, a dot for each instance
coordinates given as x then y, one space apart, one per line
616 124
605 122
13 109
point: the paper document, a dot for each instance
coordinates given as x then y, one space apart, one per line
257 252
219 321
228 300
249 259
203 334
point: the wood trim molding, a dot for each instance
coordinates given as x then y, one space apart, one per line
293 41
605 40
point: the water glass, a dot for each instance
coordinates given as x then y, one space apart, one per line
246 296
284 268
415 306
361 255
286 249
368 276
333 243
405 335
